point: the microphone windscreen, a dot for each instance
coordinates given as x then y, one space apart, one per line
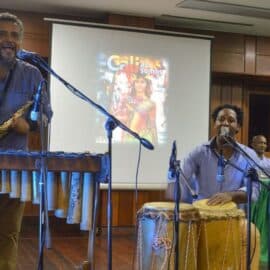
224 131
24 54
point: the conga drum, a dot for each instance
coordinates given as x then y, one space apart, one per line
220 237
155 242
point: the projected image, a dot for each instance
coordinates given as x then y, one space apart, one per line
134 90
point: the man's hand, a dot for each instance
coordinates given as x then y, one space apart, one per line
20 125
220 198
225 197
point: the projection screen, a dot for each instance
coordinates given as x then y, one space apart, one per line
156 83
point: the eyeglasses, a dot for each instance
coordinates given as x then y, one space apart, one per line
12 35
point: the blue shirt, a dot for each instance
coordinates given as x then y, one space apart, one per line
201 166
23 85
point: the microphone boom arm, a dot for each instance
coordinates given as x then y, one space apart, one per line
230 141
42 63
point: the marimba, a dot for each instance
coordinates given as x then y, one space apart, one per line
72 185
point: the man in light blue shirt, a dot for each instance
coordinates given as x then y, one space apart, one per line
203 165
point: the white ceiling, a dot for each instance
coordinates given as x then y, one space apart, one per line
166 12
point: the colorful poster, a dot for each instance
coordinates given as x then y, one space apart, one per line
134 89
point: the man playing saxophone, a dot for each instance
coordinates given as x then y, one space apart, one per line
18 84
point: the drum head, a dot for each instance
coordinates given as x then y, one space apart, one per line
167 206
202 204
217 211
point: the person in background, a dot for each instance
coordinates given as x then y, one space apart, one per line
259 144
260 208
19 82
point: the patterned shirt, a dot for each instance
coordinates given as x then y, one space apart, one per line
21 88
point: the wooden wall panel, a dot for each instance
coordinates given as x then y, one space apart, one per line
228 62
115 19
228 42
228 53
263 65
263 46
241 54
250 55
227 90
125 206
215 94
237 99
263 56
246 114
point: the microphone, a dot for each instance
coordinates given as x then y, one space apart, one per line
37 99
147 144
224 131
171 171
26 55
220 168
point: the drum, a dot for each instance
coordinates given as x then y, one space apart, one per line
155 242
219 234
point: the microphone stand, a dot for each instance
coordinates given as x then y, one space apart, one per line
110 125
42 63
252 176
44 232
177 196
174 174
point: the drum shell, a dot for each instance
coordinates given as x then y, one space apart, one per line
155 249
219 236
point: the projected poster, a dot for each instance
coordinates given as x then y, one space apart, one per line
152 82
133 88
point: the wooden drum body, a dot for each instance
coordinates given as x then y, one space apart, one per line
155 244
219 236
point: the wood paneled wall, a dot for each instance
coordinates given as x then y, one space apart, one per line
125 205
227 91
236 59
241 54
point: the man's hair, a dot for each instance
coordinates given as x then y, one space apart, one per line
8 17
237 110
254 138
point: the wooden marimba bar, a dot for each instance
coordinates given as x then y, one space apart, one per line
55 161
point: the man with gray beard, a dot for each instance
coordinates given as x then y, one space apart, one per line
18 84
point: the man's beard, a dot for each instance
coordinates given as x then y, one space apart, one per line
7 63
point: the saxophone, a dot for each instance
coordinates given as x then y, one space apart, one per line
5 126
